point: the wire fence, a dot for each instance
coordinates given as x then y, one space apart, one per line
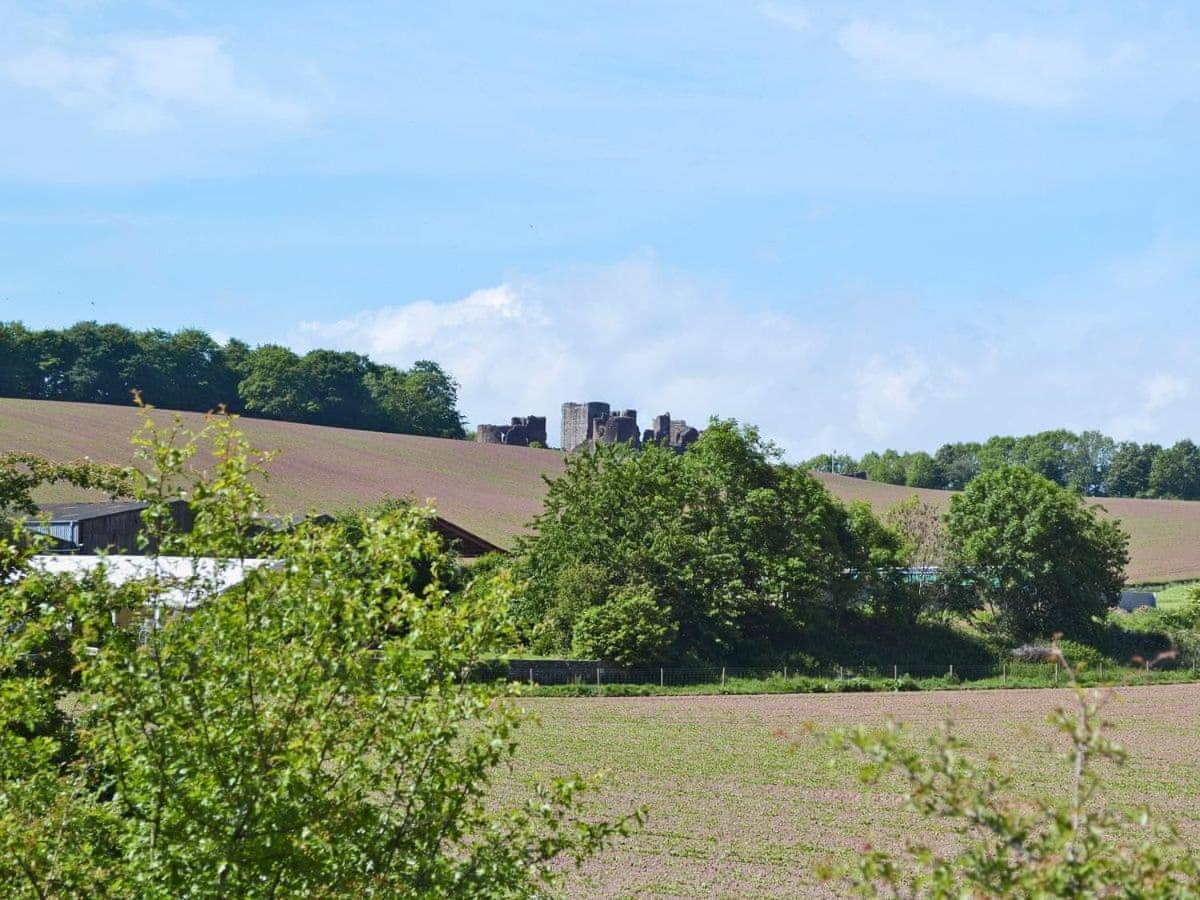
576 673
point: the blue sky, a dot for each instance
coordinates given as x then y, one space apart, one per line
856 224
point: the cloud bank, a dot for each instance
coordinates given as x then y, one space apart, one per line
877 372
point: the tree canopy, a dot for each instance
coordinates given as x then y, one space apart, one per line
1088 463
189 370
1038 556
734 548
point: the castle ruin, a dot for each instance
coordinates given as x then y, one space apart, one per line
522 431
592 423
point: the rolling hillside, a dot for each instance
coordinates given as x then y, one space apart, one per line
488 489
1164 534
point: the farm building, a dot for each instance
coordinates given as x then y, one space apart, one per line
1135 600
94 527
90 528
465 543
186 581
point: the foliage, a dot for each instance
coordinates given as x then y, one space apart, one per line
1088 463
1175 472
633 628
188 370
20 473
921 529
311 730
1068 848
1035 553
740 549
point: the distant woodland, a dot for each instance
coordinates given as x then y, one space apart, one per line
1090 463
189 370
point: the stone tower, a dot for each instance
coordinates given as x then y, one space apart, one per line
578 423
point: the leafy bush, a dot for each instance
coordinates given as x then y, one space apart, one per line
312 729
856 685
631 629
1080 655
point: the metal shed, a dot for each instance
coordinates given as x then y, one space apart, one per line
92 527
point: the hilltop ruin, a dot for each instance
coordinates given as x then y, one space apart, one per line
522 431
591 423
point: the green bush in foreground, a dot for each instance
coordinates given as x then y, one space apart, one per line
311 731
633 628
1070 848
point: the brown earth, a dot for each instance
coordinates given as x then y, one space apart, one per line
743 802
488 489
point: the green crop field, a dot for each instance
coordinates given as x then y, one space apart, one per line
744 803
488 489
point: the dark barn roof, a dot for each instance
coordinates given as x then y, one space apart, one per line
80 512
464 542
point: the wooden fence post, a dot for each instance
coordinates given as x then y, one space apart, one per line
661 679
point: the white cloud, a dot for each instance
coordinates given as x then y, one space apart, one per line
878 371
1163 390
888 395
141 84
634 334
1018 69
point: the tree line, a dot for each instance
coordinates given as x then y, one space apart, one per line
1089 463
726 553
189 370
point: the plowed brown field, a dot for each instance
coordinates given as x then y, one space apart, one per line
738 811
490 490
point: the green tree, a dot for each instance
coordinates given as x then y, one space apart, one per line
632 629
1175 472
1128 472
311 730
20 375
422 400
188 370
921 529
1088 461
921 470
739 547
93 363
888 467
273 386
334 389
1038 556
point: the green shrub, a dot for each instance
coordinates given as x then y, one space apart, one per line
1080 655
311 730
631 629
856 685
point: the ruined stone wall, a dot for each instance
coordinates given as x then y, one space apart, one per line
588 424
578 423
520 432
